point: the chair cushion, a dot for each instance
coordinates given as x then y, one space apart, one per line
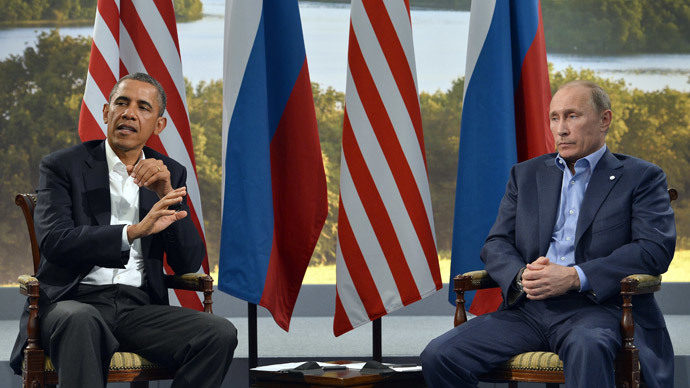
120 361
537 361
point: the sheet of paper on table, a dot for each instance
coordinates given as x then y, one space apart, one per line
354 365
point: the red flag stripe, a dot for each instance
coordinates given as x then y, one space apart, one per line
341 324
377 215
167 11
398 63
362 280
110 13
386 247
387 138
98 68
381 79
89 121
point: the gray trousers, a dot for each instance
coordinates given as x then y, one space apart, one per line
82 334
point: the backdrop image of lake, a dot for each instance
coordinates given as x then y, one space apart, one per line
440 40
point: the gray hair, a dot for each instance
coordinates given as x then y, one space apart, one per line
598 97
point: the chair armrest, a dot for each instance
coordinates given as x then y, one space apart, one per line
29 286
474 280
27 283
190 281
469 281
630 286
641 284
193 282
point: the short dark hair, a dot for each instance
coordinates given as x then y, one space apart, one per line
598 97
143 77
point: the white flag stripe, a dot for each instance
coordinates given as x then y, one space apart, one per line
161 38
94 101
366 239
244 20
401 23
388 190
416 276
349 298
128 53
393 102
105 41
480 16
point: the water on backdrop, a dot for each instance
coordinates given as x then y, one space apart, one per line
440 39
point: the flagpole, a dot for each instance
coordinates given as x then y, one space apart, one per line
253 336
376 331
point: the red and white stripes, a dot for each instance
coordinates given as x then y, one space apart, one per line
386 253
141 36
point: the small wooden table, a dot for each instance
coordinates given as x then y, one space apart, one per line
336 378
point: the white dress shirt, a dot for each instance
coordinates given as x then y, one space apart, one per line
124 209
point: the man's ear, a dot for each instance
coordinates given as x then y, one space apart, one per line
160 125
106 109
606 117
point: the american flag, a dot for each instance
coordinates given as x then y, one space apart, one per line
386 253
141 36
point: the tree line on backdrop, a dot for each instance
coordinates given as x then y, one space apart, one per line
74 11
41 92
571 26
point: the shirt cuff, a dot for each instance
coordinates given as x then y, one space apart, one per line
125 246
584 283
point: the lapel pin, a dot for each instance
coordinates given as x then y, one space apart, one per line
612 177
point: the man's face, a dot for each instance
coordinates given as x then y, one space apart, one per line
577 128
132 116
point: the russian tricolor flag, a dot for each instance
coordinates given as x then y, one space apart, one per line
274 186
504 121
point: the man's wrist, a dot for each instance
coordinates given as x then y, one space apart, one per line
126 244
132 233
163 192
518 279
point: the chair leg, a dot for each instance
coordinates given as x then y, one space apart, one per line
139 384
512 384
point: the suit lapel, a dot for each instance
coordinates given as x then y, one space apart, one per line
549 180
605 176
97 184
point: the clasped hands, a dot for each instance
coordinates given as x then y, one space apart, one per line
544 279
154 175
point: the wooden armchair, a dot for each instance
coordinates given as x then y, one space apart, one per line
546 367
37 369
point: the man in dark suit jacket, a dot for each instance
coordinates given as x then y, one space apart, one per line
101 270
570 226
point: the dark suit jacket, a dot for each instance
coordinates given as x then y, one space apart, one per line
72 222
626 226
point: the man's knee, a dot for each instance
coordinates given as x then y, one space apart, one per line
80 318
221 332
432 355
226 332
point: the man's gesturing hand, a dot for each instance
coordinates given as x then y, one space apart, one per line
543 279
160 217
152 174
